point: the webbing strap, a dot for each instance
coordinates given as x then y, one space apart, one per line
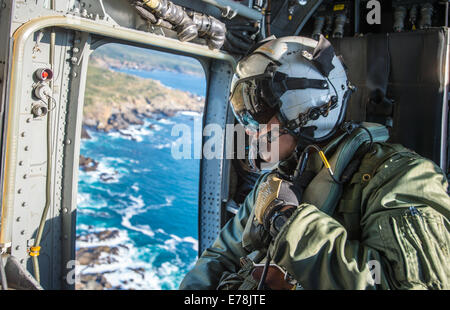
323 192
367 170
284 83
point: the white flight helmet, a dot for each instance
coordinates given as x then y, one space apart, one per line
300 80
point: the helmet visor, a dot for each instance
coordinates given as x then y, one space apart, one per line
249 102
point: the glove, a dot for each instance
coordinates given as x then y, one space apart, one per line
258 236
275 202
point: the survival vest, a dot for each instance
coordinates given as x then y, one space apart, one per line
353 162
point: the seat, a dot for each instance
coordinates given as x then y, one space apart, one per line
402 83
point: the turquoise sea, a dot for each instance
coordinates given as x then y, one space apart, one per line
145 196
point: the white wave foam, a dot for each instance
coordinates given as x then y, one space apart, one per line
133 132
138 202
172 244
133 209
145 229
191 113
83 197
163 146
85 203
115 160
168 203
104 173
124 268
90 239
156 127
114 134
84 227
141 170
168 269
135 187
115 194
166 121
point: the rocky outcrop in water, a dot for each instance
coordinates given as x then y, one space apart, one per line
93 282
88 164
93 256
85 134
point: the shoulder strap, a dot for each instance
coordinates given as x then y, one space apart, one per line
370 163
373 161
323 192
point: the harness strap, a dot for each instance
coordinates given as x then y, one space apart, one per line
351 202
285 83
323 192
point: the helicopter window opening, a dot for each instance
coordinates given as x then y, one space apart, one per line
137 205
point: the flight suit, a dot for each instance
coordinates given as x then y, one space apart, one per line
389 230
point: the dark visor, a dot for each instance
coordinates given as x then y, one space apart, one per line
255 100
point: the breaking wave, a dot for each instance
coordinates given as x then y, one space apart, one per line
136 227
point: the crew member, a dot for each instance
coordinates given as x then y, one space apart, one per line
344 209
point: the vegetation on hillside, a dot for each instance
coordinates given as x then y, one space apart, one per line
113 100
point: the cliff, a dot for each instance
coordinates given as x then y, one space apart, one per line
114 100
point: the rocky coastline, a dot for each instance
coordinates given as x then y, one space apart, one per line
114 100
88 257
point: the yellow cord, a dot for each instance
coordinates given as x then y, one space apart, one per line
324 159
325 162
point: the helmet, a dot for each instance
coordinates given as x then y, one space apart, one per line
300 80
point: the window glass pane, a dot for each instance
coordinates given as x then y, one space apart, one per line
137 204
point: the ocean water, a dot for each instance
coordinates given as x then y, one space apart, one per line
148 198
190 83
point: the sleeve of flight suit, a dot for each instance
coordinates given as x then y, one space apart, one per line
223 255
405 235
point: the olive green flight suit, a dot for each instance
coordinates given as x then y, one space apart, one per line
390 230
